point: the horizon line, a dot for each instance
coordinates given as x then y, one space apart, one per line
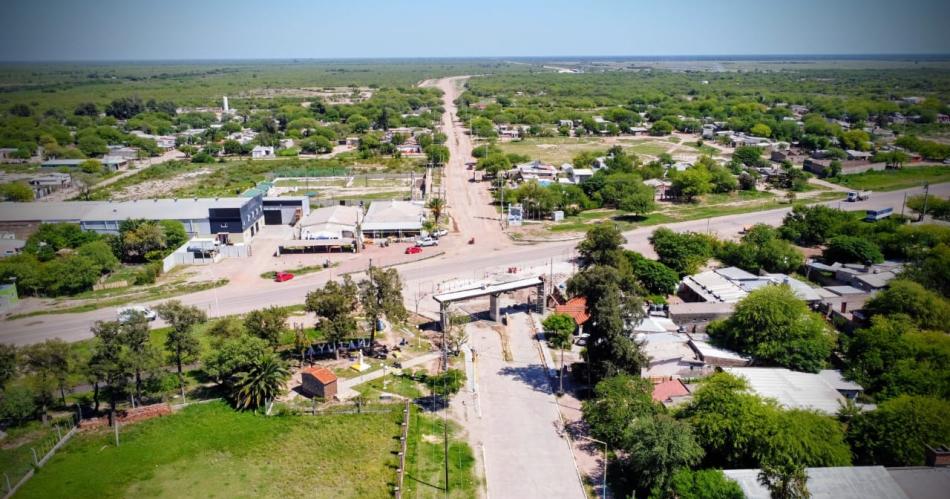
681 57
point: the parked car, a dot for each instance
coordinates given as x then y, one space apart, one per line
283 276
125 313
427 241
581 339
412 250
440 233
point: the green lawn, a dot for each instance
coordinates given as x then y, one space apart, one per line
892 180
425 460
211 450
399 385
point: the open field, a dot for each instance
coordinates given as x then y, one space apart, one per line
425 460
211 450
716 205
559 150
892 180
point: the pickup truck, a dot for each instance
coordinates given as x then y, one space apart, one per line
855 196
427 241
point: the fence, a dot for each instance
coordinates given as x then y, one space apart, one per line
404 447
40 453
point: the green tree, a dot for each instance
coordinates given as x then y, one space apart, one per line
813 225
50 363
896 432
16 191
437 207
18 404
703 484
627 192
602 245
335 303
655 277
683 252
100 253
661 127
655 448
233 355
785 481
267 324
181 341
446 384
358 123
617 402
775 326
261 382
141 356
91 166
438 155
694 181
110 363
560 328
381 295
852 249
925 308
760 130
8 363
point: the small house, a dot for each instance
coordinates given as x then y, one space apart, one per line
262 152
318 381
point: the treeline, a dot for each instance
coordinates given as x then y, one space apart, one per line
62 259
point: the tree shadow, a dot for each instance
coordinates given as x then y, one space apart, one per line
630 218
535 376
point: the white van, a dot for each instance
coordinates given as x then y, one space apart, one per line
125 313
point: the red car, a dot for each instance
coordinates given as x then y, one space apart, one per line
283 276
412 250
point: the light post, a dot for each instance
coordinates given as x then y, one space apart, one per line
604 489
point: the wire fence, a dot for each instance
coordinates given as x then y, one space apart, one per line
35 454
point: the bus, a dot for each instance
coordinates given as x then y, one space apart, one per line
875 215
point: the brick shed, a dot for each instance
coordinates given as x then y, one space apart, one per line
318 381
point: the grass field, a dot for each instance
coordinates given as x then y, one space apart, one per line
559 150
425 460
211 450
892 180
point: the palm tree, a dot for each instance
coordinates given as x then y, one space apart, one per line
262 381
436 205
785 481
560 327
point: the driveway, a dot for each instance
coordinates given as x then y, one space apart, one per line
512 418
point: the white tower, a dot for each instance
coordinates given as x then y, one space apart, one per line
226 108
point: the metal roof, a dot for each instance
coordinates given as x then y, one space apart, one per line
922 482
52 211
345 216
792 389
851 482
161 209
394 215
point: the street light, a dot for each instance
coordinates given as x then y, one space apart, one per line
603 491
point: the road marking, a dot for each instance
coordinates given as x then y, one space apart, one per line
485 469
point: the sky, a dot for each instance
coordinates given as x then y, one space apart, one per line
66 30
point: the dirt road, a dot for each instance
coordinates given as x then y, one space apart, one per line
469 202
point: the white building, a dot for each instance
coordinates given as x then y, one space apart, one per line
393 218
262 152
798 390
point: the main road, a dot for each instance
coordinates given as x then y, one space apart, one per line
474 217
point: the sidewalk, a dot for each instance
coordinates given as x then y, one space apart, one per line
345 390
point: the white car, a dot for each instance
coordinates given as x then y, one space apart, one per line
427 241
440 233
125 313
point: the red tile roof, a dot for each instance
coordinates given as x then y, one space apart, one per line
668 389
576 308
322 374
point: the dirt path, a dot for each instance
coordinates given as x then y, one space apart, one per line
469 202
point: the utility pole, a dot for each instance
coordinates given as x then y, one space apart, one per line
926 195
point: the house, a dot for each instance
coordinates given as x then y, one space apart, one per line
262 152
409 149
124 152
709 131
715 356
332 222
662 188
847 482
536 170
8 153
577 308
653 324
566 123
732 284
869 278
854 155
393 218
695 316
670 392
318 381
798 390
670 356
48 183
576 175
109 163
820 167
166 142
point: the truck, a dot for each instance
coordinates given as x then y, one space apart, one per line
855 196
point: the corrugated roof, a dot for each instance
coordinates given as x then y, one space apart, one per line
394 215
336 215
161 209
63 211
792 389
852 482
668 389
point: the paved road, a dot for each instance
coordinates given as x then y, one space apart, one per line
513 422
420 278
